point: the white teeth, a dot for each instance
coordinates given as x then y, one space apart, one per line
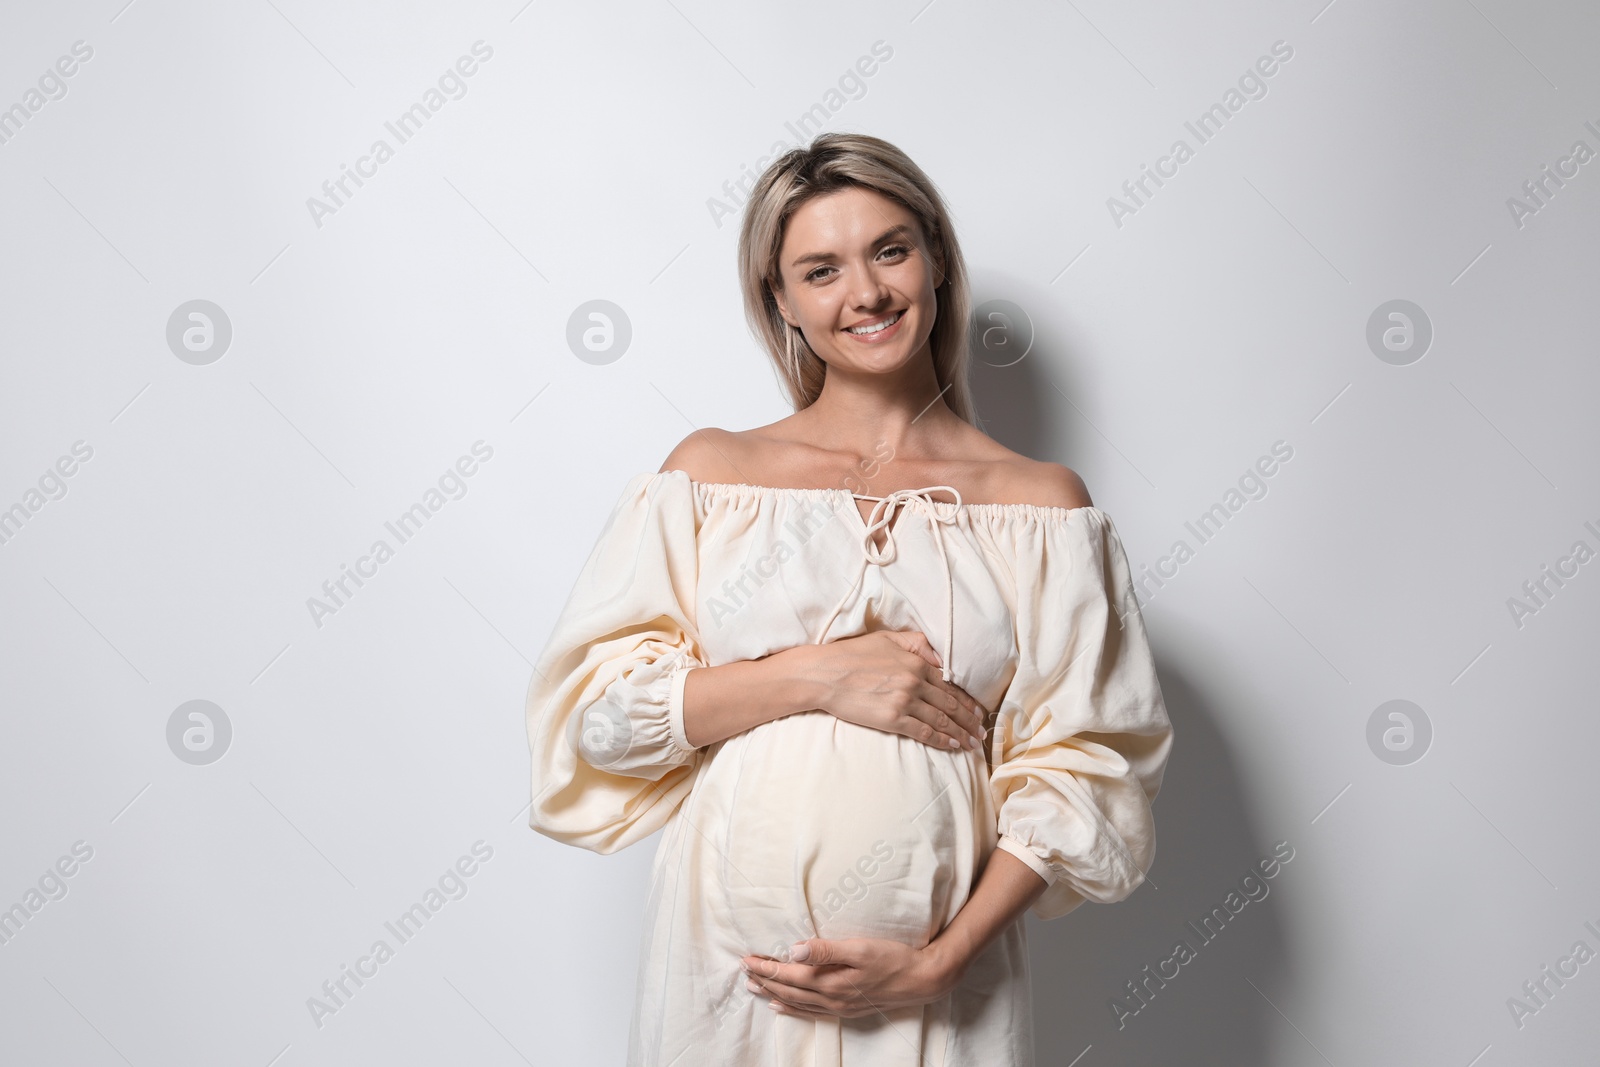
884 325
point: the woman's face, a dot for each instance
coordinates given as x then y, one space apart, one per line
855 258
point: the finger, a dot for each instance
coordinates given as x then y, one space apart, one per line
778 1007
767 969
799 975
960 695
934 728
973 716
966 710
916 642
933 674
795 997
945 714
958 704
840 1007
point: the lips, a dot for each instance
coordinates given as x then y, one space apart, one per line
877 326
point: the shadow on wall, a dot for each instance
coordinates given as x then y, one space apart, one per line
1113 976
1196 1006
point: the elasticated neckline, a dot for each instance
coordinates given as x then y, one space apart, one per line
740 490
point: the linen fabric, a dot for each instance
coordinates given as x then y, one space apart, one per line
810 826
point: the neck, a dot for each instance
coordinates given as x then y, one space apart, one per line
862 411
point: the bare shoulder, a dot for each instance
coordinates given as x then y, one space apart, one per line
710 454
1031 481
1004 476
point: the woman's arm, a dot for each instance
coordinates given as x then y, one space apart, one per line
1006 888
721 701
855 977
884 680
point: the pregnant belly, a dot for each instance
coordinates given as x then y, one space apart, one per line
834 830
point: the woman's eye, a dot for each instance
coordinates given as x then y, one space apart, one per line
892 250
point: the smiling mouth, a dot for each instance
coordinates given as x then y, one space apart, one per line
876 327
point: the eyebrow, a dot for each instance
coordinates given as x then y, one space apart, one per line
902 231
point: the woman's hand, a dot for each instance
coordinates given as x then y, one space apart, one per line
889 680
851 977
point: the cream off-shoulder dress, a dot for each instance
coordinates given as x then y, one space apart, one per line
810 826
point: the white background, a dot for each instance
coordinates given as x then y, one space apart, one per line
1164 356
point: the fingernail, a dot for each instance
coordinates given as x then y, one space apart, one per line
954 743
800 951
752 986
773 1004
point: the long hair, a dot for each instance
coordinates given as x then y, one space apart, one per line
831 162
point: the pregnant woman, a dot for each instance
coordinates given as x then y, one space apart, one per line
882 682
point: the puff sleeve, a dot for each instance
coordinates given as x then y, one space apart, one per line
605 703
1084 732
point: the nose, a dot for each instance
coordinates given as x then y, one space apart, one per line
869 292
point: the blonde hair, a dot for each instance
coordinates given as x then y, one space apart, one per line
835 161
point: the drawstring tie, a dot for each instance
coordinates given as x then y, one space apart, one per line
882 518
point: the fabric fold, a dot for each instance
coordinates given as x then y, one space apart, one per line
1085 734
604 706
